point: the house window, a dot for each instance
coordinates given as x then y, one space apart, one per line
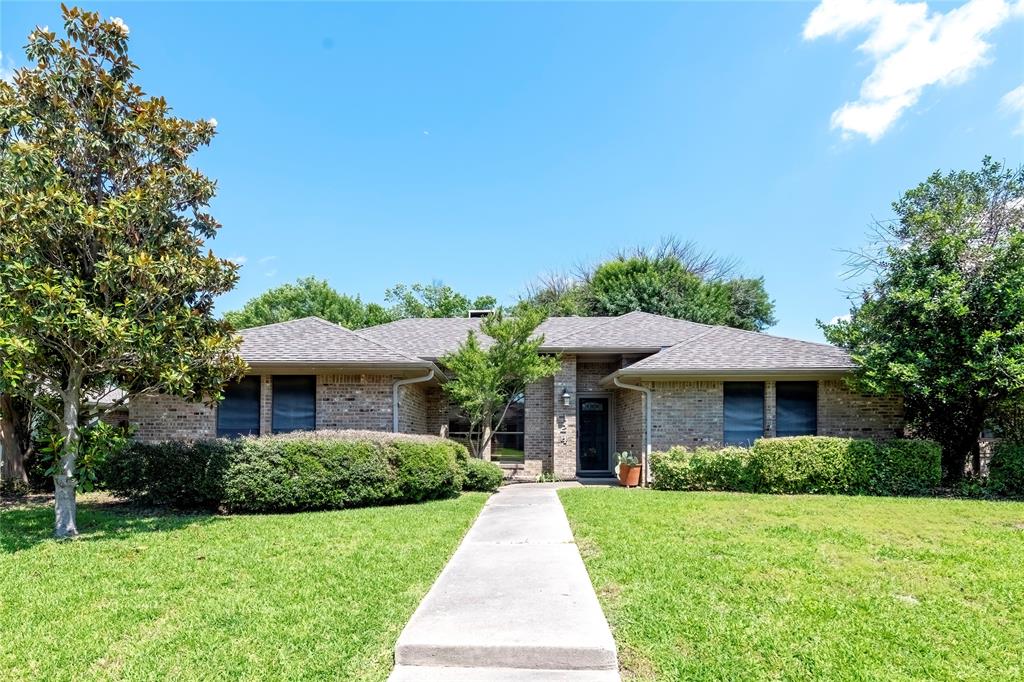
796 408
744 412
238 414
507 443
294 399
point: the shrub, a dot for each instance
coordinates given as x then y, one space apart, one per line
290 472
179 474
1006 469
482 476
804 464
702 469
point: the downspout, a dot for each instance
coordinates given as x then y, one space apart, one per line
646 472
394 395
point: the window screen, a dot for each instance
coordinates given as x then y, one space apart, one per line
796 408
294 403
744 412
238 414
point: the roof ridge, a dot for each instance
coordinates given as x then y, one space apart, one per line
292 321
375 342
776 336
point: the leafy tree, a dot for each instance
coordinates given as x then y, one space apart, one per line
943 320
676 279
103 276
432 300
307 297
486 381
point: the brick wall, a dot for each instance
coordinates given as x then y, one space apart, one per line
686 413
165 417
437 411
588 374
842 412
629 421
564 450
353 401
538 436
412 409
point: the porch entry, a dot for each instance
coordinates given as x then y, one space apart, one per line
594 451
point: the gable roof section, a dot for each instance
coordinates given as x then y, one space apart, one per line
724 349
315 341
635 331
426 337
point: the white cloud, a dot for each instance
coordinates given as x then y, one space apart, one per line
6 69
270 273
266 259
912 48
841 318
1012 103
238 260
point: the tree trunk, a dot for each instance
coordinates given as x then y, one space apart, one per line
13 469
64 483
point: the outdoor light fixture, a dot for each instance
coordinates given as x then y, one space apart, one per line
566 397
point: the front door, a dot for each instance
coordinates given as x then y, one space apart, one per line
594 424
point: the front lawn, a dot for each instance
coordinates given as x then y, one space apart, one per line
731 586
152 596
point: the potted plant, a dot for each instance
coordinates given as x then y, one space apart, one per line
629 469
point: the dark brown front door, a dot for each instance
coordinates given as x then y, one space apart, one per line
594 424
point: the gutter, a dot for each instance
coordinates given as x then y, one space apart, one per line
394 395
645 460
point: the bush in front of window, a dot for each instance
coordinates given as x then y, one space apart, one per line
291 472
1006 469
703 468
804 465
187 475
482 476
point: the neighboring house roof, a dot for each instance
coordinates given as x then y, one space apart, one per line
315 341
635 331
724 349
426 337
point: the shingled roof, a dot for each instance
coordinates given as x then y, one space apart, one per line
677 346
635 331
426 337
724 349
315 341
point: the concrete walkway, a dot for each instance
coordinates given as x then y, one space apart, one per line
514 603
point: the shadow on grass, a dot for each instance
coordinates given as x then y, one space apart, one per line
29 523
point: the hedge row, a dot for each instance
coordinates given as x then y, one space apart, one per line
1006 469
298 471
804 464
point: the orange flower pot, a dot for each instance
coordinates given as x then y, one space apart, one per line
629 476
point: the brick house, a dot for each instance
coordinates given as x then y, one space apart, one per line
638 382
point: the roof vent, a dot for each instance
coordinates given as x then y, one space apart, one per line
479 313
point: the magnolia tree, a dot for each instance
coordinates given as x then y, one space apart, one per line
486 381
942 323
104 279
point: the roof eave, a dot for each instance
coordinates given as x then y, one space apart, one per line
729 373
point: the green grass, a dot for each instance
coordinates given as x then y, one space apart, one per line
508 455
730 586
149 596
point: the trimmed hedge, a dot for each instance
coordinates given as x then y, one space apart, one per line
804 464
485 477
291 472
1006 469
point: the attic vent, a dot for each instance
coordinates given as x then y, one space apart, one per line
479 313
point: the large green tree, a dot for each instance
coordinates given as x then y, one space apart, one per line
104 277
943 320
307 297
486 381
432 300
675 279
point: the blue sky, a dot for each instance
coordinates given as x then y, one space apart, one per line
484 144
